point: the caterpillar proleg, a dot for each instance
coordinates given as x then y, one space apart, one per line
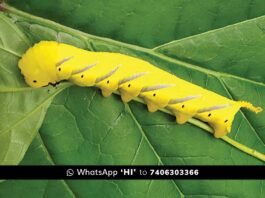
50 62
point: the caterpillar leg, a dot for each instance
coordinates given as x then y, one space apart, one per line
182 118
152 107
183 108
105 92
125 96
219 130
128 94
156 96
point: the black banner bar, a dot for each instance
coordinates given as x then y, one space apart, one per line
132 172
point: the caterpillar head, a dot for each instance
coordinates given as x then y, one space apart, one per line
38 64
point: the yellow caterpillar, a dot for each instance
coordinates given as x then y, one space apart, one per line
50 62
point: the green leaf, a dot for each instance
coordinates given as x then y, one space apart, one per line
237 49
139 22
106 131
39 29
22 108
36 154
235 54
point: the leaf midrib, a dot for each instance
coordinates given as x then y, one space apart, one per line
10 51
17 32
206 71
17 89
88 37
35 109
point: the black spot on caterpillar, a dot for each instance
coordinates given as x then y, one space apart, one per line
132 77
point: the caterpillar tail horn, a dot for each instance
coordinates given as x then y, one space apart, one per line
249 106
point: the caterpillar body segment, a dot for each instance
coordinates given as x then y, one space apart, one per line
92 74
155 96
186 110
50 62
115 81
220 119
143 85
